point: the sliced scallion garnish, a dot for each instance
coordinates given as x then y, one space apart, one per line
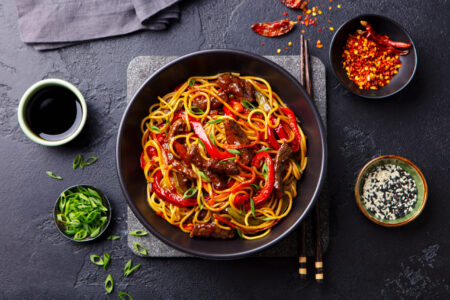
204 176
127 266
106 260
252 206
124 296
198 110
138 233
190 192
215 121
76 162
239 232
96 260
255 186
154 128
234 151
248 105
192 82
128 270
227 160
113 237
91 160
139 248
109 284
212 138
52 175
264 149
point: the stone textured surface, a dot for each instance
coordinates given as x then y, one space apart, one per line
142 67
363 261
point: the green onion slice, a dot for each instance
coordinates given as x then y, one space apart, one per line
190 192
91 160
96 260
264 149
227 160
234 151
215 121
131 270
212 138
248 105
154 128
106 260
76 162
192 82
239 232
52 175
252 206
138 233
140 249
204 176
255 186
298 167
124 296
109 284
113 237
127 266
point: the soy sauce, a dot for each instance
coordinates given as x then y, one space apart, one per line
53 113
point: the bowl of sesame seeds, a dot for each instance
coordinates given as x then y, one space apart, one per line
391 191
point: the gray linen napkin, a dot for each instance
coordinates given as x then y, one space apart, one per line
52 24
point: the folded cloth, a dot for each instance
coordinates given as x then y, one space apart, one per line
52 24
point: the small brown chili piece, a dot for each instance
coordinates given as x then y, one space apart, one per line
295 4
271 29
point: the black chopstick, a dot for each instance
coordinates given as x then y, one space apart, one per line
305 81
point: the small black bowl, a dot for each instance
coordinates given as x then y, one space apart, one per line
383 26
60 226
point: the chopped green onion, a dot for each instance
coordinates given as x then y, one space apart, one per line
242 210
212 138
77 161
138 233
113 237
255 186
91 160
96 260
154 128
127 266
109 284
190 192
252 206
265 170
239 232
201 143
192 82
298 167
264 149
234 151
227 160
167 125
124 296
204 176
215 121
106 260
198 111
267 219
51 175
131 270
248 105
140 249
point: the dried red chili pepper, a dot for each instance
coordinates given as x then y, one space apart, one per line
295 4
276 28
382 39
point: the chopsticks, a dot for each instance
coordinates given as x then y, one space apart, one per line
305 81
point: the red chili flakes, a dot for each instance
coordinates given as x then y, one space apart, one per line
285 13
319 44
368 65
262 44
286 48
319 30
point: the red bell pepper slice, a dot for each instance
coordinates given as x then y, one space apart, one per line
228 112
268 186
151 152
294 127
210 148
170 196
272 140
279 129
237 106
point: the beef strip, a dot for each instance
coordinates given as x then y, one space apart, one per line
211 230
202 103
281 161
239 88
235 136
177 127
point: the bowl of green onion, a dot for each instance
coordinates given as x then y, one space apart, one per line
82 213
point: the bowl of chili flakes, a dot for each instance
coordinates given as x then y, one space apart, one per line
364 65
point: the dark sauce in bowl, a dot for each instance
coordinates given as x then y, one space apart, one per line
53 113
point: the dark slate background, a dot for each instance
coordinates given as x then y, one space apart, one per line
363 260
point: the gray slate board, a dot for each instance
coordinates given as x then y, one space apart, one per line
140 68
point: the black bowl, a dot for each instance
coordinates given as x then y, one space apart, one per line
383 26
210 62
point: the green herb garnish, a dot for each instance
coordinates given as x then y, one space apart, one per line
154 128
252 206
96 260
192 82
113 237
138 233
128 270
227 160
190 192
298 167
239 232
264 149
198 111
215 121
204 176
106 260
267 219
234 151
124 296
212 138
81 213
52 175
109 284
91 160
248 105
265 170
255 186
139 248
76 162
